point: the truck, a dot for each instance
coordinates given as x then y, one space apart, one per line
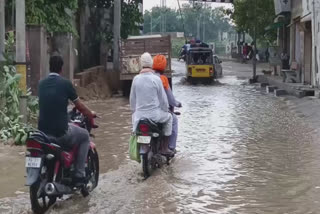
132 48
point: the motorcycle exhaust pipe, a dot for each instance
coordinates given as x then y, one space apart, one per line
62 189
53 189
50 189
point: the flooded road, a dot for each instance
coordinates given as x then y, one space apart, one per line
239 151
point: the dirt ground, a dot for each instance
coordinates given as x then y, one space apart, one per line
99 89
12 170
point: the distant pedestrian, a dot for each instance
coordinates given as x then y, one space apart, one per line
267 54
188 45
250 51
245 52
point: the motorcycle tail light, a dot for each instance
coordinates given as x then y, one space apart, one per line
31 144
144 128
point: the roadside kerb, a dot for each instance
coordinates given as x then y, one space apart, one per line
296 89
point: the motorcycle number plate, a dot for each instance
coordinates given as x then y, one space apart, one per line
144 139
32 162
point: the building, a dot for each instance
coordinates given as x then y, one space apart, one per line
299 37
311 11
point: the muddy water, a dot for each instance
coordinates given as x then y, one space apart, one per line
240 151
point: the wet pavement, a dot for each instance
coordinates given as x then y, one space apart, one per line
239 151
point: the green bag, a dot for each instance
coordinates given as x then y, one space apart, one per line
134 149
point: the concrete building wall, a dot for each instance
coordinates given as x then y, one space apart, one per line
315 9
296 12
307 66
296 6
316 47
63 44
297 36
38 49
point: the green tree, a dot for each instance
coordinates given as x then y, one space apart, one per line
250 13
130 18
213 19
173 22
55 16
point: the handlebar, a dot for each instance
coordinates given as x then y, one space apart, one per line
78 118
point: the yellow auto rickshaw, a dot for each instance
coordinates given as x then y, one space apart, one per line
199 64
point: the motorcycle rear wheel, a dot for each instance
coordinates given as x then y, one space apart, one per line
93 173
146 166
40 207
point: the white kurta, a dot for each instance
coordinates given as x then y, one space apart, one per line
148 100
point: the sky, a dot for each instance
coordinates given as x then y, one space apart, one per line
148 4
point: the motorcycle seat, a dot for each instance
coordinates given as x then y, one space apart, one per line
154 126
41 137
65 146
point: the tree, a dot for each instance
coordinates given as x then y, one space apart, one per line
250 13
130 18
173 23
99 31
55 16
214 20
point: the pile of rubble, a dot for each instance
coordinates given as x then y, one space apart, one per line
93 84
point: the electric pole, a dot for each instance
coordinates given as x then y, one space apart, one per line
198 27
2 29
254 61
151 23
21 43
21 55
204 23
163 5
116 35
141 12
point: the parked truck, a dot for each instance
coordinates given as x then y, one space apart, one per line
132 48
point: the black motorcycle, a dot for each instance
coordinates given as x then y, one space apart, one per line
149 137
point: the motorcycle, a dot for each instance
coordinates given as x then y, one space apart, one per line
182 55
149 137
50 167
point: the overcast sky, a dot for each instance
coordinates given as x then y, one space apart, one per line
148 4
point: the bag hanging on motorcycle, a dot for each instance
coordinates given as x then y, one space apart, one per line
134 150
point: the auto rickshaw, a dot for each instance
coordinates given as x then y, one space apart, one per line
199 64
